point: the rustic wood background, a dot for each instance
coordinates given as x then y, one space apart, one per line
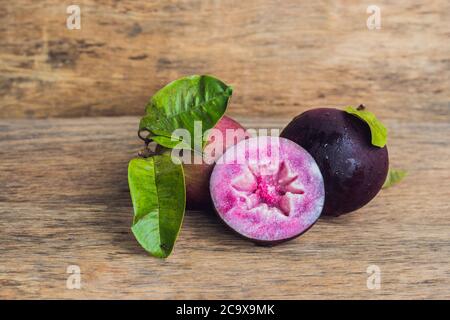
63 191
64 200
281 56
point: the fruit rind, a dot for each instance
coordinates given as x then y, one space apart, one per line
198 175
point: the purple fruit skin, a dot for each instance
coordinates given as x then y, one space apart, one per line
353 169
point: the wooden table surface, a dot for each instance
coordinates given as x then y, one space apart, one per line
70 101
280 56
64 200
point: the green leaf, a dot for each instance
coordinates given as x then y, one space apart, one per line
171 142
157 191
393 177
377 129
182 102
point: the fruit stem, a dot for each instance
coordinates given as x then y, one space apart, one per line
145 152
146 139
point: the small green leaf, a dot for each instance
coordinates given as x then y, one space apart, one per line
157 189
170 142
182 102
393 177
377 129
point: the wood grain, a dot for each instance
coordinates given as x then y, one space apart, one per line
64 200
282 57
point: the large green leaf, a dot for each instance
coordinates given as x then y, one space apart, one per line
182 102
157 190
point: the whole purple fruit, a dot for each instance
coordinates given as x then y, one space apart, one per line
352 168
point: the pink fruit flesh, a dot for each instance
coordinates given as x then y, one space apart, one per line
268 189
